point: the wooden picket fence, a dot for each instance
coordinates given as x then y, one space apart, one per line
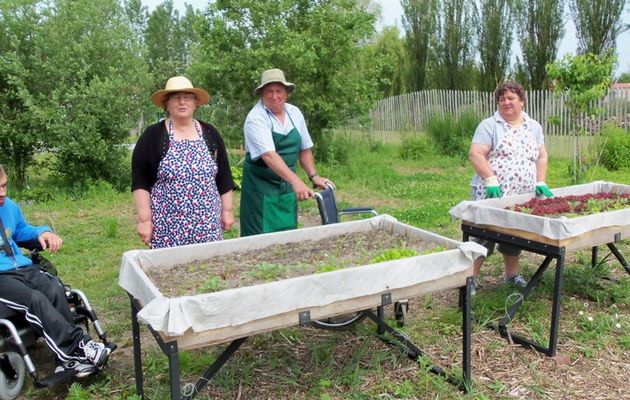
408 114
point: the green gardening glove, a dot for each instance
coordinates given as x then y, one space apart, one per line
542 189
493 190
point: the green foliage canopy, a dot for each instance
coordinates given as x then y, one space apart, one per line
455 45
598 23
70 86
317 43
584 79
388 54
494 42
540 30
420 20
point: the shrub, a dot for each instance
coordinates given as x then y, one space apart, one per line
616 147
452 136
333 149
415 147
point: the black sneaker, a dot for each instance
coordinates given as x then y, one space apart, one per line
95 352
82 369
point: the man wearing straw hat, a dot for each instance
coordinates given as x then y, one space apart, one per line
276 138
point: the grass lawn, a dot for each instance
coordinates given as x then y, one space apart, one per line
307 363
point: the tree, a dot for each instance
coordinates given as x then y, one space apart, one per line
20 135
316 43
494 42
540 29
624 77
455 52
170 39
389 55
583 79
420 20
597 23
72 84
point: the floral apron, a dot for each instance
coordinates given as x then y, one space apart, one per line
514 163
185 201
268 202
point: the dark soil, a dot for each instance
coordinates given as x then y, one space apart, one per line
284 261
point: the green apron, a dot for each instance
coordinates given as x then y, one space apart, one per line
268 202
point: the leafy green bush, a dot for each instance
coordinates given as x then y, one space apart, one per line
415 147
237 175
616 147
452 136
333 149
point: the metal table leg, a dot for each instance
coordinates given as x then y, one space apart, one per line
137 349
555 313
465 296
619 257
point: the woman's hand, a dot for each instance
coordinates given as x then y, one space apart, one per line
145 230
227 219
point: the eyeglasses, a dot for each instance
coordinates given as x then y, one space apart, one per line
182 96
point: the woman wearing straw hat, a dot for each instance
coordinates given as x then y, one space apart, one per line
276 138
181 179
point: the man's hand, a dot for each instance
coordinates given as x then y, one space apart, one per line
49 241
493 189
542 189
302 192
321 182
145 230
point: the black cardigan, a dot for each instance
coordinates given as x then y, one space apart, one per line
153 145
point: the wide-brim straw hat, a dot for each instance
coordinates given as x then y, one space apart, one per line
179 84
274 75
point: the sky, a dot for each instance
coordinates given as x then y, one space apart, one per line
392 15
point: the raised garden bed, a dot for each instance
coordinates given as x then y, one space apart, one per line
199 319
282 261
571 230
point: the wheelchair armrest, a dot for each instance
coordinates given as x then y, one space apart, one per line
30 245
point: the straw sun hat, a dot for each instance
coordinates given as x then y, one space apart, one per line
273 76
179 84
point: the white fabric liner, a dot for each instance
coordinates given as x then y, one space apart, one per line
492 212
233 307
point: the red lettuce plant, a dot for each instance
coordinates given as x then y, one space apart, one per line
571 206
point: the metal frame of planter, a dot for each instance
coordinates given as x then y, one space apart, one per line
550 252
385 332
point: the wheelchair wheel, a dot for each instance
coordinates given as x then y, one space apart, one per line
400 312
339 322
11 386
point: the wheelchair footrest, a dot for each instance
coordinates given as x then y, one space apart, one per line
57 378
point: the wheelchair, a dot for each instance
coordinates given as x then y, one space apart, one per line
330 214
16 336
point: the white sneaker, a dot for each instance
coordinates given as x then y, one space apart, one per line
516 280
95 352
82 369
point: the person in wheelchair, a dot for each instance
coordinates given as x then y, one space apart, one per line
39 296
